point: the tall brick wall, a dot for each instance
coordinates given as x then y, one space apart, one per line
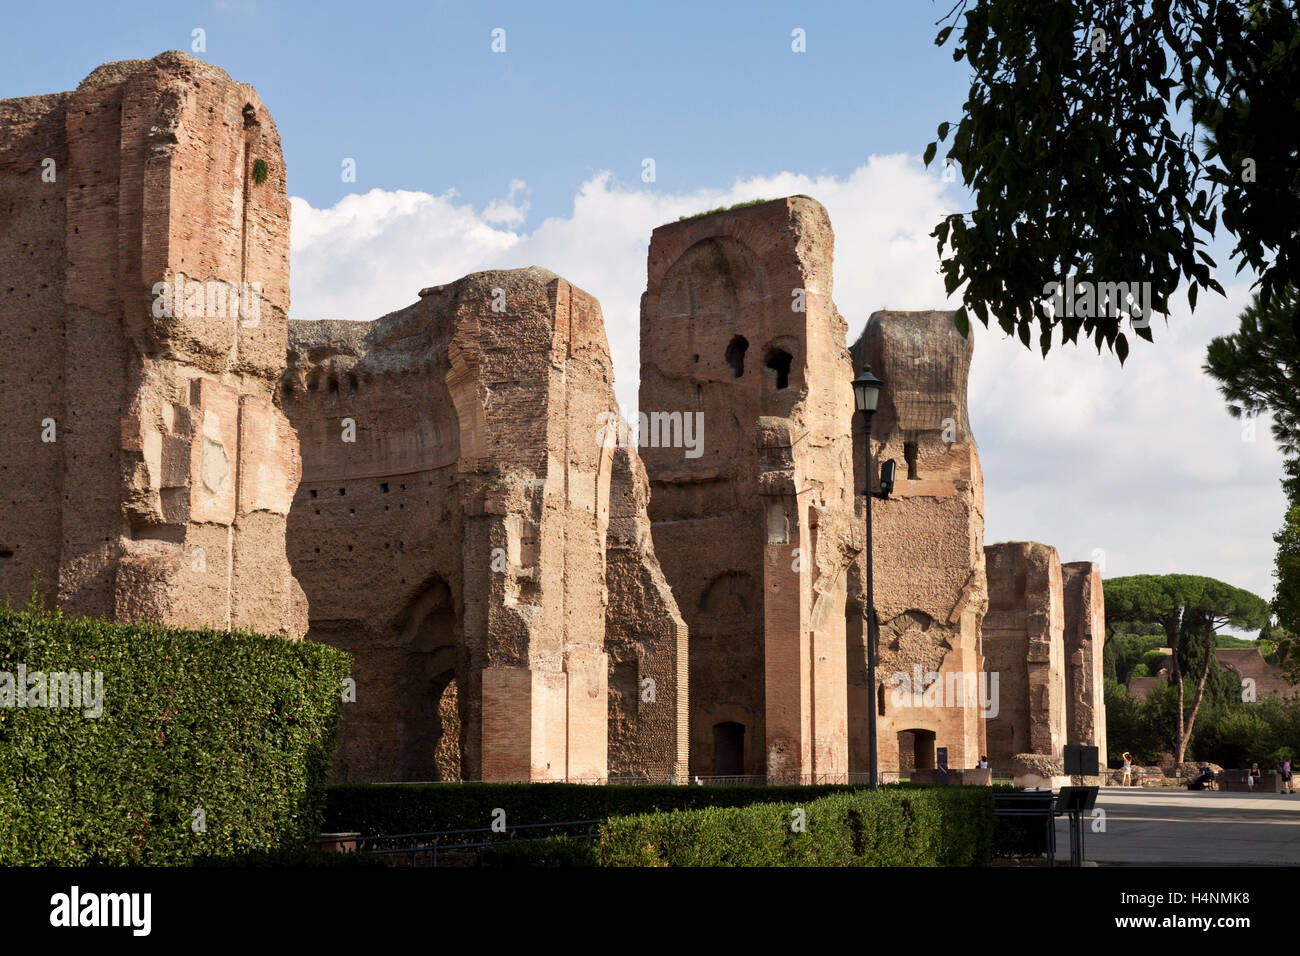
462 526
1024 645
33 256
754 528
1085 638
645 637
457 544
930 587
148 467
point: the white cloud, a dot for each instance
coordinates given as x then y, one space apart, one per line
1141 462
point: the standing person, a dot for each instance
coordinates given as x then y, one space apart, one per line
1127 779
1284 771
1252 778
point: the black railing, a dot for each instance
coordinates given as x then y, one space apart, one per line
424 849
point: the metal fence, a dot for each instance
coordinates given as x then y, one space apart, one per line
457 846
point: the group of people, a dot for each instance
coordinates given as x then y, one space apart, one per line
1206 777
1283 772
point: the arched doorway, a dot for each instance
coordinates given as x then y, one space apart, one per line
915 750
427 717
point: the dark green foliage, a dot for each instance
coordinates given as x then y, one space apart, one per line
424 808
240 726
260 171
1258 366
554 851
1230 732
1190 609
1139 727
1286 603
937 826
1127 643
1165 599
1080 164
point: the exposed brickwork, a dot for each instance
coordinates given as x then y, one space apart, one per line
645 637
930 588
149 474
1024 644
755 532
468 525
1085 636
457 543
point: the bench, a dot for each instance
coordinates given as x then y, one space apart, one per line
1234 781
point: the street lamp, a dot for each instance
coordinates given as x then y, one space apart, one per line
866 393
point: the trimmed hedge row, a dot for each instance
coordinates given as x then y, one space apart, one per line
894 827
421 808
941 826
239 726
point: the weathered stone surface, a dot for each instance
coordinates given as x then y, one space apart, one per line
451 532
930 588
1038 770
645 638
472 523
1024 645
755 528
147 466
1085 636
1040 765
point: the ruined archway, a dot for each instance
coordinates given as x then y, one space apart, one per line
915 750
714 278
429 731
726 664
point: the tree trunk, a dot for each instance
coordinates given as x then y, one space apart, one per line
1200 692
1176 675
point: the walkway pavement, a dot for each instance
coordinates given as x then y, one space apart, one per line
1184 828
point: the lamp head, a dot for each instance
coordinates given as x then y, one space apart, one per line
866 390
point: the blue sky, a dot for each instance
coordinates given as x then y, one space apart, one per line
413 92
468 159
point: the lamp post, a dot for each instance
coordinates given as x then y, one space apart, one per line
866 393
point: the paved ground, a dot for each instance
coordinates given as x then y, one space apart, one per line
1181 828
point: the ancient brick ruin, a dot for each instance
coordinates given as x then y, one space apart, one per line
451 528
756 532
469 516
930 589
146 466
1085 635
1043 634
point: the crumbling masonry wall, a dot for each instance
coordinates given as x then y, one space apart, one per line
645 637
450 532
146 465
930 587
754 527
469 525
1085 637
1024 644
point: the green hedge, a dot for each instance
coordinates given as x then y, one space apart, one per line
555 851
941 826
421 808
238 725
